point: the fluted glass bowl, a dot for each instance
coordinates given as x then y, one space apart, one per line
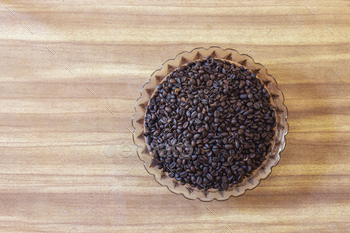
277 100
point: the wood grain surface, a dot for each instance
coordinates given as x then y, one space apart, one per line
71 71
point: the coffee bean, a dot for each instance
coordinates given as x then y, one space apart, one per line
201 130
168 109
237 143
243 96
210 124
199 180
200 116
216 113
205 181
183 174
210 177
241 84
185 125
205 170
194 114
256 105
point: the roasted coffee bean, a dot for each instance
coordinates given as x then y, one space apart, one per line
237 143
210 124
243 96
183 174
210 177
216 113
168 109
185 125
201 130
205 181
230 159
205 170
199 180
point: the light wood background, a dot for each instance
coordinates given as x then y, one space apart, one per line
70 72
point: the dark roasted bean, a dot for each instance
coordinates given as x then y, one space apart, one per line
205 170
205 181
168 109
183 174
243 96
201 130
199 180
237 143
210 177
216 113
185 125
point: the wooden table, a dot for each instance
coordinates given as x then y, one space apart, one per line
71 71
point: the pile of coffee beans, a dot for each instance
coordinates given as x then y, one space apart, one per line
210 124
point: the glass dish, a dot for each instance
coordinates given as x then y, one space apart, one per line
277 100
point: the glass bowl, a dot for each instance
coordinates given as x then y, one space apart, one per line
277 100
